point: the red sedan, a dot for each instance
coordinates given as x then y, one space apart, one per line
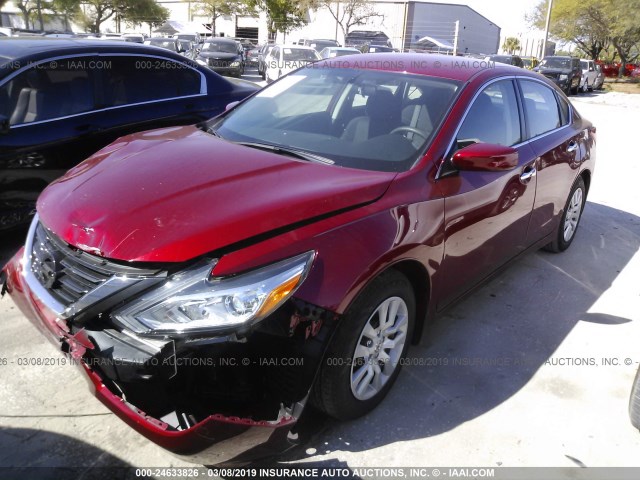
211 280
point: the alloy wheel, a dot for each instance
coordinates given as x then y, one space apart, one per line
379 348
573 215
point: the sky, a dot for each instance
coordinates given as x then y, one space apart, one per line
509 15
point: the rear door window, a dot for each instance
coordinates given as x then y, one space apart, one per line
130 80
540 107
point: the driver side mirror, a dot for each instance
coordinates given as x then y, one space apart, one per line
4 125
485 157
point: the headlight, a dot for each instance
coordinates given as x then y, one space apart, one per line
564 77
194 301
201 61
235 64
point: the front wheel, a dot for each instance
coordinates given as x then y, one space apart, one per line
570 218
365 355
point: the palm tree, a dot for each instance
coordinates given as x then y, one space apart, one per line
511 45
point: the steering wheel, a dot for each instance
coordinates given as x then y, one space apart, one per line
409 129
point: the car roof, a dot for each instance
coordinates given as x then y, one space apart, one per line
299 47
434 65
19 51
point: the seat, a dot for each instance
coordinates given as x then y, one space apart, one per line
383 115
20 110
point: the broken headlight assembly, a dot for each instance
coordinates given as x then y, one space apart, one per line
194 301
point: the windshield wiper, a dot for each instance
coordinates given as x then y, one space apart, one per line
300 154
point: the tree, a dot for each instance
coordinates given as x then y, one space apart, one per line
594 25
511 45
215 9
26 7
283 15
133 11
350 13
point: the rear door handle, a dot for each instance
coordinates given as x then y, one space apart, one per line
573 146
528 174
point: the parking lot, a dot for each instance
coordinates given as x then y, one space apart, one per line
534 369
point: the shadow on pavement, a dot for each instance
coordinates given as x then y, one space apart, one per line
27 454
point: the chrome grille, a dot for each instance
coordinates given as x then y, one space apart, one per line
70 275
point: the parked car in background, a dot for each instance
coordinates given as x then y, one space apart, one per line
599 83
223 55
253 56
530 62
211 280
589 74
196 38
133 37
367 48
320 44
514 60
188 49
286 58
563 71
357 38
56 112
262 58
331 52
428 44
612 69
168 43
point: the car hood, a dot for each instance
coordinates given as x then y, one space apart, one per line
173 194
219 55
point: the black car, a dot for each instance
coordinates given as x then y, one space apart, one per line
223 55
61 100
514 60
563 71
357 38
366 48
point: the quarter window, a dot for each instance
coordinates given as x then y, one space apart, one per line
540 107
48 91
493 117
130 80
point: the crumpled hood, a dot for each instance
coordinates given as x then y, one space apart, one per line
173 194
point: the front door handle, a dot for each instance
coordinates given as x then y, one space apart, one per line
528 174
573 146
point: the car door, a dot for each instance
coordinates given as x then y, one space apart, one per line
49 105
486 213
145 92
559 149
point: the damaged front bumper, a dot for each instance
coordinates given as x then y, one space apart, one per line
218 400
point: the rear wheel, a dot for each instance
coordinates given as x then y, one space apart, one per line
364 357
570 218
634 402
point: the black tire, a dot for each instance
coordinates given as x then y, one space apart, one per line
561 242
332 391
634 402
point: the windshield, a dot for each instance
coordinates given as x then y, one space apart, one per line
556 63
225 47
365 119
